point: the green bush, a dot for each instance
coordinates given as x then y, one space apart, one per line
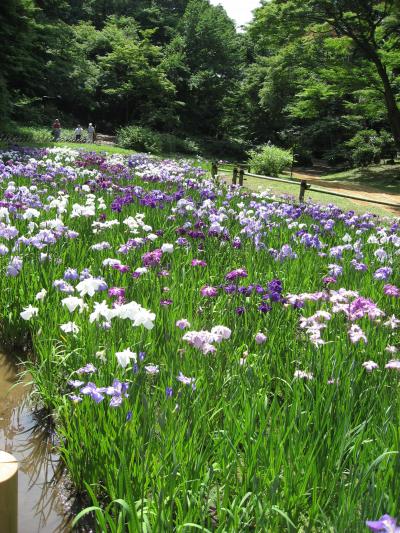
143 139
388 146
172 144
270 160
139 138
369 146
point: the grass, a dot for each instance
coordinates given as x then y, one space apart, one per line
93 147
241 445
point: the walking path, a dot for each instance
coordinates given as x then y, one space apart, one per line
108 140
366 191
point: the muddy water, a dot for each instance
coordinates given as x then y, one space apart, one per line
41 506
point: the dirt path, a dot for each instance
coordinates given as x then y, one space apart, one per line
364 191
108 140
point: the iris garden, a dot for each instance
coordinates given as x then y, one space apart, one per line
213 359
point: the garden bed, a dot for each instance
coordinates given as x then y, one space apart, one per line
212 358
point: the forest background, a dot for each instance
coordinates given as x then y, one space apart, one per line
319 77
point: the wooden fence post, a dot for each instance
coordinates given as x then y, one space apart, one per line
304 186
8 493
234 175
241 176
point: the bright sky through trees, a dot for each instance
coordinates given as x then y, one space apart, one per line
239 10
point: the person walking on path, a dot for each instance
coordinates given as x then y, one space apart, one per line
56 130
91 133
78 133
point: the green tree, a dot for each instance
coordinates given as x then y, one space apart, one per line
132 83
19 66
305 77
206 63
373 28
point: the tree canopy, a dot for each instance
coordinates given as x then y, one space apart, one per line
309 74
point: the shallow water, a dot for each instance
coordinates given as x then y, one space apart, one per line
41 506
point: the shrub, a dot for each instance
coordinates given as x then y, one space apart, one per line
388 146
144 139
363 156
270 160
139 138
369 147
172 144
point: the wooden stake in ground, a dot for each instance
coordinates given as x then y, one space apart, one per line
8 493
303 187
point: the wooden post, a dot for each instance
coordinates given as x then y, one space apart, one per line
235 175
303 188
241 176
8 493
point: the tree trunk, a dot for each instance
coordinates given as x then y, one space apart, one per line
390 101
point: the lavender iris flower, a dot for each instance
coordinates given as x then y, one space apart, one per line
386 524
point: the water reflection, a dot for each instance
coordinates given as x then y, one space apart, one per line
41 506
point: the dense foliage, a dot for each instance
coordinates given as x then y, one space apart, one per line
325 72
166 65
214 360
306 75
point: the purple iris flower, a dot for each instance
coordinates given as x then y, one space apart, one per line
187 381
150 259
237 243
392 290
63 286
87 369
198 262
386 524
74 398
238 273
230 289
116 291
90 389
360 267
14 267
208 291
264 308
383 273
116 401
121 268
71 274
75 383
275 286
